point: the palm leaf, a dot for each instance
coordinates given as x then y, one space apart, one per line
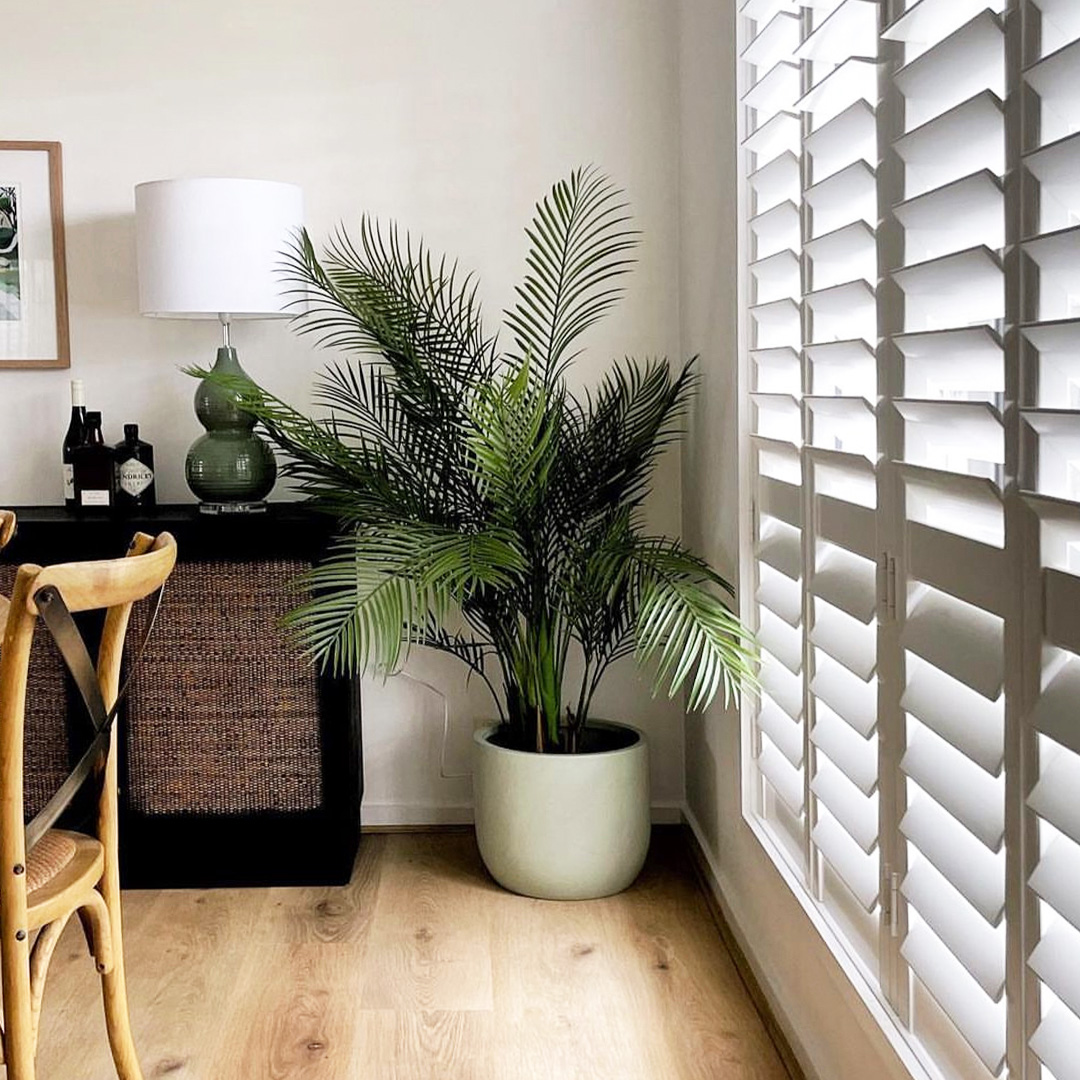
378 586
687 627
580 244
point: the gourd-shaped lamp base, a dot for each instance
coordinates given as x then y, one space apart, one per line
230 469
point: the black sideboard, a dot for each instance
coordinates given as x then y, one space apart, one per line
240 764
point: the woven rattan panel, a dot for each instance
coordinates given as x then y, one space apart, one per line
223 717
45 740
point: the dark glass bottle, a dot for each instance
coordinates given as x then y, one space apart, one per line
93 469
134 461
73 440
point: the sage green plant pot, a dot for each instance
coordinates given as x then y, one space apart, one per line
562 826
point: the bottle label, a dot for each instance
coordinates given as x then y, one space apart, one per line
135 477
69 482
94 498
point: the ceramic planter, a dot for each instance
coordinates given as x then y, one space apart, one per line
562 826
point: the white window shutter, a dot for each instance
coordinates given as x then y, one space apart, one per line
912 344
1050 476
772 152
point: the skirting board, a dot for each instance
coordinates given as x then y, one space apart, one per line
421 815
710 886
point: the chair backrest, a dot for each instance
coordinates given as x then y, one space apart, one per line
113 585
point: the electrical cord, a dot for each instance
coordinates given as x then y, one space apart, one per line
446 727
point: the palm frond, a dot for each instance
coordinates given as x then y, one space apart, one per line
383 295
580 245
378 588
612 440
513 442
687 627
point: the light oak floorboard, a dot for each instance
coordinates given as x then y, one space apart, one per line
420 969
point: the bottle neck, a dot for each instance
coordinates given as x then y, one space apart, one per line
94 436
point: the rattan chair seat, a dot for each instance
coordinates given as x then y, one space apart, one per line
48 858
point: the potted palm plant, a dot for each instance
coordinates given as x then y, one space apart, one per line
487 511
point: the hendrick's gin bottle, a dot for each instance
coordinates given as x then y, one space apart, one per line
134 473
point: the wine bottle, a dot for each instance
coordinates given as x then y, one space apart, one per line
93 468
134 461
73 440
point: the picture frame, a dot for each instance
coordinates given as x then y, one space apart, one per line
34 330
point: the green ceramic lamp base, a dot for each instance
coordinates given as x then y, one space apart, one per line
229 469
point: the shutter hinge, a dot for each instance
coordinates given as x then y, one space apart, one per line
890 899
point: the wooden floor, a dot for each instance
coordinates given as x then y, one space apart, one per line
420 969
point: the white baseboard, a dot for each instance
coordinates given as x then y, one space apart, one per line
376 815
418 814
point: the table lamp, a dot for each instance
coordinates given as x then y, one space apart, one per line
212 249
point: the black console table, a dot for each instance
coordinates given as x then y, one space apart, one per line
240 764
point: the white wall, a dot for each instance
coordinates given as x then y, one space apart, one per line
831 1029
452 116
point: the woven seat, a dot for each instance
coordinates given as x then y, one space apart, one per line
48 858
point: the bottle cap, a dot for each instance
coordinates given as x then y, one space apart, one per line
131 432
77 399
93 419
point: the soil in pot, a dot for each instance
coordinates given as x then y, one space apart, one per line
592 740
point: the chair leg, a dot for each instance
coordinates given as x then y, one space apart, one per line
114 991
19 1036
113 981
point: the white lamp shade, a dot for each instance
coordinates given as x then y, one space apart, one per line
211 247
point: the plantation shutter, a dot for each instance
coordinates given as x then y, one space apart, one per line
772 153
1050 364
951 587
810 158
912 199
840 275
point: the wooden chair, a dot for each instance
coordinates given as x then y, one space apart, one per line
65 872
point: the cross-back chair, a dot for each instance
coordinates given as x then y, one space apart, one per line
47 876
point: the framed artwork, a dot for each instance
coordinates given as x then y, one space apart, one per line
33 280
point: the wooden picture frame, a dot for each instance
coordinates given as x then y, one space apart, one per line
34 330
